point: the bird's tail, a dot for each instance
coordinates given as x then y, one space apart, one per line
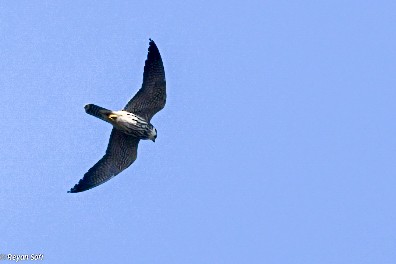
97 111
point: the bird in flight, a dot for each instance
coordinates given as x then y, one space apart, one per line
130 124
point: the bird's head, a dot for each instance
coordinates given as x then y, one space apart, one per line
153 134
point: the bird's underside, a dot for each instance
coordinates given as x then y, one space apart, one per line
126 122
122 147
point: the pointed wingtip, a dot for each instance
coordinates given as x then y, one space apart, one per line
152 43
77 189
153 47
73 190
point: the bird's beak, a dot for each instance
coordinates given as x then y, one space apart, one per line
153 140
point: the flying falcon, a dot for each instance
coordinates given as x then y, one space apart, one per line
130 125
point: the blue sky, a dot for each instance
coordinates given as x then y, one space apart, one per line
277 143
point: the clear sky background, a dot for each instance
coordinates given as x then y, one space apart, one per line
277 143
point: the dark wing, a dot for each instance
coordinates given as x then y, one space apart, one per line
120 154
152 96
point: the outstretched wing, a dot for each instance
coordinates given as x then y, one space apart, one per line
151 97
120 154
